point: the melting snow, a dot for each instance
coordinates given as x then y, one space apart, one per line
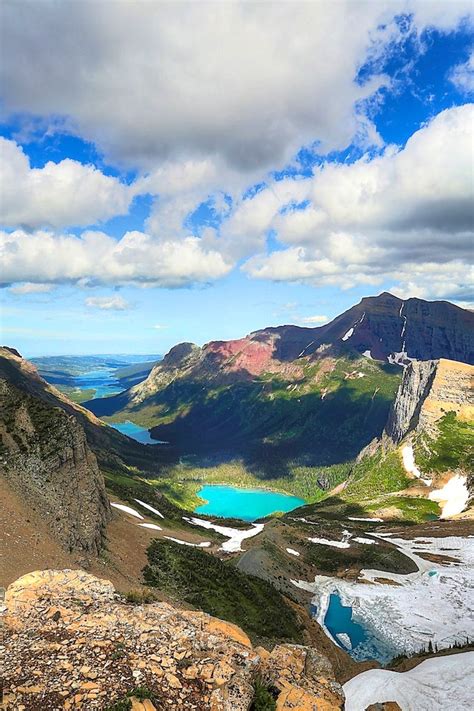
367 354
399 358
367 541
410 465
350 332
153 526
205 544
438 683
421 607
454 496
235 535
127 509
356 518
344 639
305 349
335 544
292 551
150 508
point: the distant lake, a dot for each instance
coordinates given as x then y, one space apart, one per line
246 504
103 381
136 432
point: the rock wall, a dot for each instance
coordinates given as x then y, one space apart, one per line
429 389
91 650
45 457
412 392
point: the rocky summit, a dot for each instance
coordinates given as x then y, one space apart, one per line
73 643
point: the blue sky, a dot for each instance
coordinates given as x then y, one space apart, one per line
250 180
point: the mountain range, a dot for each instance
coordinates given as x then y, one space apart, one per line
290 394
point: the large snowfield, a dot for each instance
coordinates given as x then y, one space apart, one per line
435 603
438 683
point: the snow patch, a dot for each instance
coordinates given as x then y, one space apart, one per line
153 526
366 541
334 544
399 358
305 349
454 496
409 464
367 354
357 518
344 639
348 334
150 508
292 551
438 683
205 544
235 535
127 509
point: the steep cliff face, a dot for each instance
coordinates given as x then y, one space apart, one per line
93 651
46 459
414 389
429 390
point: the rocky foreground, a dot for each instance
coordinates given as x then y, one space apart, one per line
69 641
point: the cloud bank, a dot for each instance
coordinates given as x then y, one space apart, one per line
405 215
202 100
249 82
95 258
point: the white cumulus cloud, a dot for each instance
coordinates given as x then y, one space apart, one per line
314 320
462 75
30 288
57 195
405 212
97 258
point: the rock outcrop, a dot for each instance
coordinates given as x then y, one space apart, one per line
73 644
430 389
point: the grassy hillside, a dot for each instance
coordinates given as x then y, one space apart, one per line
218 588
374 483
452 449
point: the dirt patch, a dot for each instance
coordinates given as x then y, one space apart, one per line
26 543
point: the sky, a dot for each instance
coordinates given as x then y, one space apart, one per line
194 171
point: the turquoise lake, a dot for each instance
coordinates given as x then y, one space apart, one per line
246 504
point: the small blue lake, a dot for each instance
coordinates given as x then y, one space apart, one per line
365 644
135 432
246 504
339 620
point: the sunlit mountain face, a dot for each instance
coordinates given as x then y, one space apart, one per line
173 174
